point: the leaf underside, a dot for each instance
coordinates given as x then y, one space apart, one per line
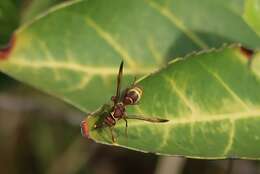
73 50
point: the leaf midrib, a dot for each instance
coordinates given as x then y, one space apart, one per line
203 118
75 67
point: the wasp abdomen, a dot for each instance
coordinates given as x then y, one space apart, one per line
132 95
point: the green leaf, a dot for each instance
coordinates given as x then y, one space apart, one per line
256 64
37 7
212 101
73 50
252 14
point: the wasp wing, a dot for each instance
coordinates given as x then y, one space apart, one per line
149 119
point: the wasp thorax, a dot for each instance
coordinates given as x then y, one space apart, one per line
119 110
110 120
132 95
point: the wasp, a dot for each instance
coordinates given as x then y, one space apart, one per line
130 96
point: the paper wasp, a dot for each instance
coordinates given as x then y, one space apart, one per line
130 96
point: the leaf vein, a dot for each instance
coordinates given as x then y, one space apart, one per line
91 70
231 138
156 55
112 42
206 118
49 56
164 11
82 84
225 85
166 136
182 96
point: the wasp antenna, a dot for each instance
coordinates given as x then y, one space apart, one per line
121 67
118 86
121 64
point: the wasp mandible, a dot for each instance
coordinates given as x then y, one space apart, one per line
130 96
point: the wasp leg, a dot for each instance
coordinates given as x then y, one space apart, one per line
112 134
126 126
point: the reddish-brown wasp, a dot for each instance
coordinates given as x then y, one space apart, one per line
130 96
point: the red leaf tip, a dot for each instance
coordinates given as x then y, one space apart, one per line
5 52
84 129
248 53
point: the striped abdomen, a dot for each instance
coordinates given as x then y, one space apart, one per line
132 95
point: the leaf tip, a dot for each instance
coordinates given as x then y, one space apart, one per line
84 129
5 51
